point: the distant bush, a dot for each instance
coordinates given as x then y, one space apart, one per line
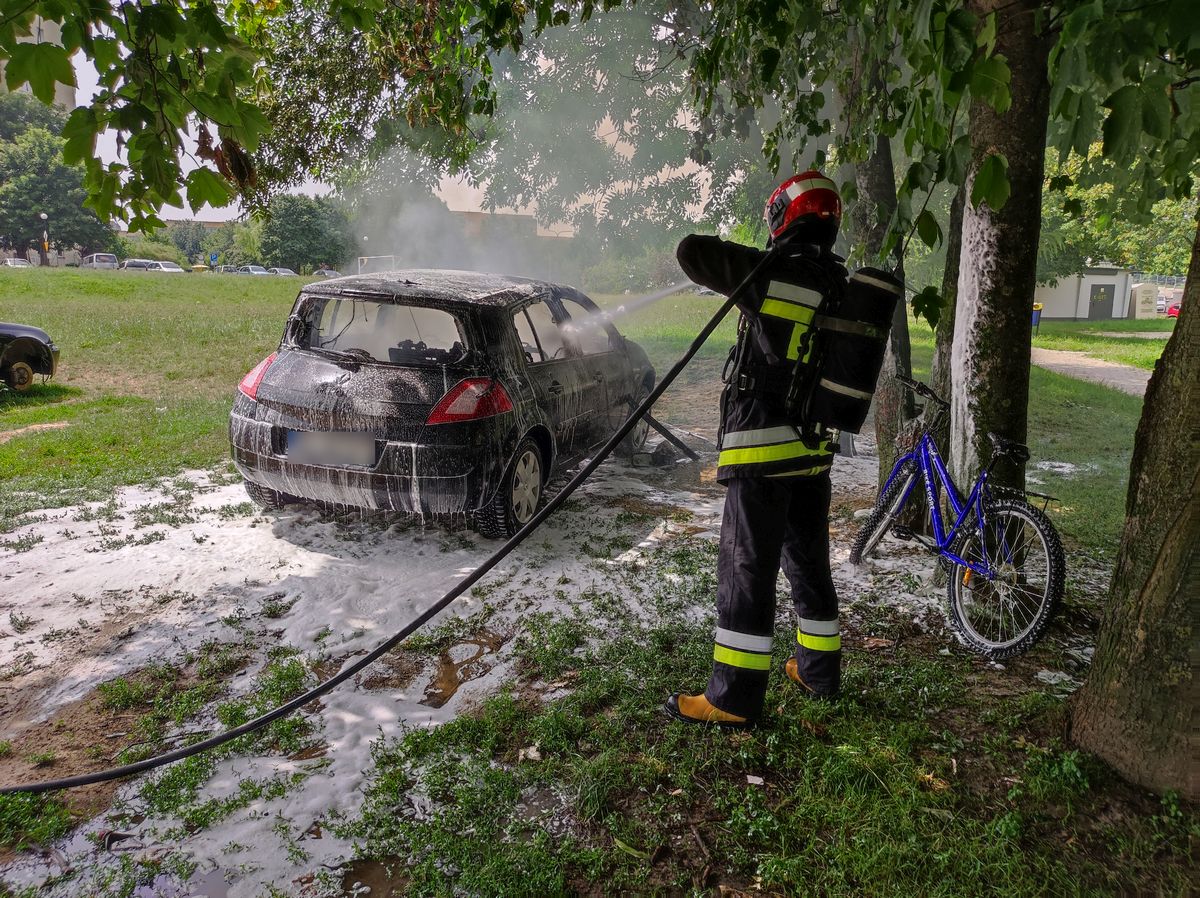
158 247
616 274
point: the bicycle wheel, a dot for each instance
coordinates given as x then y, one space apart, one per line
1005 616
884 513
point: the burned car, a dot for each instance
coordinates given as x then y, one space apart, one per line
24 352
433 392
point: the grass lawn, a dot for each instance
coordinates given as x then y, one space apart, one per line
1113 341
933 774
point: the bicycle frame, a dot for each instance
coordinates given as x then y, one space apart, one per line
930 465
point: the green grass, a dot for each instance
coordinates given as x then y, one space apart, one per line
1090 337
900 787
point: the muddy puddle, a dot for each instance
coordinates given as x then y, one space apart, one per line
373 878
460 663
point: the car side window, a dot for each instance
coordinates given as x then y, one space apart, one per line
585 329
549 337
528 338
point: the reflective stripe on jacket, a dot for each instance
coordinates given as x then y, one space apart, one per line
758 438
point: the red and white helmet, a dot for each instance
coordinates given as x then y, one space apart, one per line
808 200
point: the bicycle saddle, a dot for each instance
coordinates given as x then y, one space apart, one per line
1000 446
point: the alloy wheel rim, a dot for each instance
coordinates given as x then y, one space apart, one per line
527 486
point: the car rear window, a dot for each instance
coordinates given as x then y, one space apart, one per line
388 332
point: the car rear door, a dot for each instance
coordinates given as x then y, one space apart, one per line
558 379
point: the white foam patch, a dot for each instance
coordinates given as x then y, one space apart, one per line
349 586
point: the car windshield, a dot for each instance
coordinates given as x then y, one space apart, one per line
384 331
171 266
101 257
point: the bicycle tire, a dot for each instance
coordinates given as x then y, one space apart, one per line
1041 562
884 514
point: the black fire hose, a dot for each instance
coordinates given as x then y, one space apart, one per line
250 726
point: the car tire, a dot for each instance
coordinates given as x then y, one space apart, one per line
635 440
519 494
267 498
18 377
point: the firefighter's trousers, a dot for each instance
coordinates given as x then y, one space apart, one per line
768 521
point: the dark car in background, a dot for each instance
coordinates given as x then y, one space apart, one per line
24 352
434 392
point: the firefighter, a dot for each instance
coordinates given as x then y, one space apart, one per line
776 471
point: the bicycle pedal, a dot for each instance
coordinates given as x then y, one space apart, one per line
902 532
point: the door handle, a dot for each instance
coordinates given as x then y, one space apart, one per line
555 387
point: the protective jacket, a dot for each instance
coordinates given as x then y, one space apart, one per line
759 437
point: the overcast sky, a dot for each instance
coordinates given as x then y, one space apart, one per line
457 194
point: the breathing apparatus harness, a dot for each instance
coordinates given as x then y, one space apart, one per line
289 707
830 384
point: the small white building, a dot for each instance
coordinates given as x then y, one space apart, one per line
1100 293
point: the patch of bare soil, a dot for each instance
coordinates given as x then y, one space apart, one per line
395 670
646 508
21 697
32 428
81 737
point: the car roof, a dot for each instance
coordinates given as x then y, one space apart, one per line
444 287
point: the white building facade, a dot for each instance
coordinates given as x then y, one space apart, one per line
1098 294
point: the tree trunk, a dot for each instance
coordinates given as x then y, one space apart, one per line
990 355
941 374
876 182
1136 710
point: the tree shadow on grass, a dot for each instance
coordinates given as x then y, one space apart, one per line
38 394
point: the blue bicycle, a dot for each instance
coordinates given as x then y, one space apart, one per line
1004 557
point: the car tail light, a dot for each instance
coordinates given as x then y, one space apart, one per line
250 382
470 400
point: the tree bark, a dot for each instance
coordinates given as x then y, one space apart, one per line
876 181
990 354
1137 708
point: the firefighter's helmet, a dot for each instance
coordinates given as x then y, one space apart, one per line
805 207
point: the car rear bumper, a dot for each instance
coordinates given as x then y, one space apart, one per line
406 477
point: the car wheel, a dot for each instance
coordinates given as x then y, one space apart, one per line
267 498
18 376
635 440
519 495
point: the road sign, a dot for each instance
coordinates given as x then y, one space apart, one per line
212 257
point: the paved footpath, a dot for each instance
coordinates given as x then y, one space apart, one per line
1081 366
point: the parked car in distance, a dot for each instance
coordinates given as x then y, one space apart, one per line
100 260
24 352
226 269
287 272
434 392
17 263
327 273
172 267
1173 312
136 264
252 269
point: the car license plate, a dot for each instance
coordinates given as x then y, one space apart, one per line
326 448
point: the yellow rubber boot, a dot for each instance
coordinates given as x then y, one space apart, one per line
698 709
792 669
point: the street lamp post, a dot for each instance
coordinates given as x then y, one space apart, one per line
45 238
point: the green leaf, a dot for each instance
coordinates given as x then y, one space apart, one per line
991 183
80 135
1123 126
41 65
1060 182
986 39
206 186
928 229
990 81
1156 113
928 305
1073 207
959 44
770 62
629 849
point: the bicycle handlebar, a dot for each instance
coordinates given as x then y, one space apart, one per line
922 390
